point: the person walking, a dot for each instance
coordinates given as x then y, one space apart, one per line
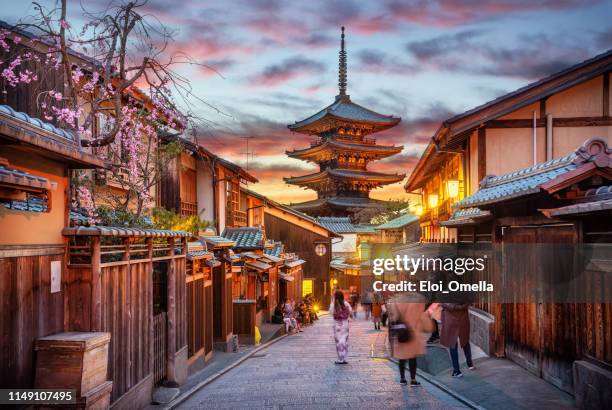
341 312
376 311
456 325
366 302
408 323
354 298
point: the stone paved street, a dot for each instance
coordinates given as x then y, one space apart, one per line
299 372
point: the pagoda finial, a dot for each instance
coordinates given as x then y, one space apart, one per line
342 66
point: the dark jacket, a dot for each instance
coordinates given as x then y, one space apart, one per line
455 324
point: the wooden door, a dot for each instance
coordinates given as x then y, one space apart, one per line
536 332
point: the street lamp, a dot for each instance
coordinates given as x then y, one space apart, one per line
432 200
452 185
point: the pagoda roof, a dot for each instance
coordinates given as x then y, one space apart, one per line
346 174
338 202
331 144
343 110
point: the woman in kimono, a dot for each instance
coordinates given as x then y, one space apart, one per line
341 311
377 310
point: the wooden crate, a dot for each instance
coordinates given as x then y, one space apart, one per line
73 360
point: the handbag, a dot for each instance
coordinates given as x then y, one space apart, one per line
400 331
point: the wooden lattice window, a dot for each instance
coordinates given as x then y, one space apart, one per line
189 198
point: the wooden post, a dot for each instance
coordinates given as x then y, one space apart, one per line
96 286
482 153
171 324
149 308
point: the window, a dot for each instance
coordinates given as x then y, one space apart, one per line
307 287
189 200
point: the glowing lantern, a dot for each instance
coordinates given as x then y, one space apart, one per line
320 249
452 185
418 210
432 200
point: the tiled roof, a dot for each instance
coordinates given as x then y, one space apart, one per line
217 241
245 238
276 250
365 228
257 265
346 174
337 224
25 179
332 143
599 199
5 109
345 109
341 202
466 216
582 208
194 255
594 153
286 277
518 183
399 222
116 231
30 204
295 262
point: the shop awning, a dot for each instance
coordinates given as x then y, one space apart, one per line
294 263
197 255
285 277
258 266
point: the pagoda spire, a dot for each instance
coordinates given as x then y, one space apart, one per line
342 66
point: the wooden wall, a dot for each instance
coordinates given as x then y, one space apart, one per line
302 242
169 196
28 310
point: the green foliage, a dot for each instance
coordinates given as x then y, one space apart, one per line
165 219
393 208
109 216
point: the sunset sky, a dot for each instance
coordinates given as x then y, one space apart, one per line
419 60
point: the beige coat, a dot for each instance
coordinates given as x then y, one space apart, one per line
410 309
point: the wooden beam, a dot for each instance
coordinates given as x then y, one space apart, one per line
557 122
482 153
606 94
543 108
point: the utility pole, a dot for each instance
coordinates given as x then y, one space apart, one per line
247 152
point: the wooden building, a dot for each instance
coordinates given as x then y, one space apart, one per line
342 149
541 121
303 236
551 225
402 230
35 163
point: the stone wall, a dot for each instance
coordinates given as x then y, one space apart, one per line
481 330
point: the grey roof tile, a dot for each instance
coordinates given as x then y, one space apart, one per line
245 238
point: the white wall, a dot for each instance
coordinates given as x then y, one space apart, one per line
205 191
347 244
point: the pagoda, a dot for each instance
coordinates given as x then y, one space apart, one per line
343 147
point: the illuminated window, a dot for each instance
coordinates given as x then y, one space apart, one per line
307 285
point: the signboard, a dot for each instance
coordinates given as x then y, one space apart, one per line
56 276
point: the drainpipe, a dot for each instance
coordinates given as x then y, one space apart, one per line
535 138
549 137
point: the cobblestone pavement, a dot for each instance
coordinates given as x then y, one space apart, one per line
298 372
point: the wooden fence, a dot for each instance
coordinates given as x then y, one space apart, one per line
28 308
110 287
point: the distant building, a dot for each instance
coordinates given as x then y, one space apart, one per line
342 150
